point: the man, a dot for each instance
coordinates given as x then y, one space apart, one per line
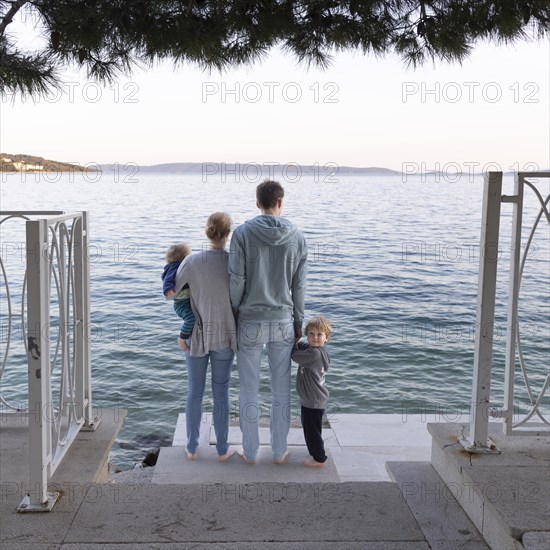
267 282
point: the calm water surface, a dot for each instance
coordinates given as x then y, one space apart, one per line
393 264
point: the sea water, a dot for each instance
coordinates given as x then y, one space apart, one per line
393 263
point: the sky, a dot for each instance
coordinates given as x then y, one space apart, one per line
490 112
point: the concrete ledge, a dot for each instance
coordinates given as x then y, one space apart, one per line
505 495
439 515
358 444
536 540
173 467
86 460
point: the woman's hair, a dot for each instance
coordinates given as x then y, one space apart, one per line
218 226
320 323
177 252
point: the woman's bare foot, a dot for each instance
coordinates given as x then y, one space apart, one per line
314 464
282 459
230 452
192 456
240 452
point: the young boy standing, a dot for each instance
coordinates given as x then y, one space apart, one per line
313 360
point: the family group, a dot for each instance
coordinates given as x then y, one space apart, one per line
239 302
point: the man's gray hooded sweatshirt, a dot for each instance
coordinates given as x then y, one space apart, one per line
267 270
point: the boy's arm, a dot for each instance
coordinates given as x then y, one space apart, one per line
305 356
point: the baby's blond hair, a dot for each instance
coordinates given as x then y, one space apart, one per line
177 252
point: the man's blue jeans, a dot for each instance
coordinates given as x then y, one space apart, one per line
278 337
220 367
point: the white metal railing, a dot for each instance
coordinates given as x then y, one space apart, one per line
59 367
478 440
13 300
524 425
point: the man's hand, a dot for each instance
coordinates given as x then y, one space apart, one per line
297 334
170 293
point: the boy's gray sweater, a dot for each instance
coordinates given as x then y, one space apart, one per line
310 379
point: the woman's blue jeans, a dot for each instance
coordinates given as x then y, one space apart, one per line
220 367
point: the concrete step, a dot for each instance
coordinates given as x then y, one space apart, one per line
86 460
438 514
352 516
174 467
506 495
358 447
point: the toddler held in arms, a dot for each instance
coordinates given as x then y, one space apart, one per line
182 302
313 360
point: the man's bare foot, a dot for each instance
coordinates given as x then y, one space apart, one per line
282 459
192 456
314 464
230 452
183 344
240 452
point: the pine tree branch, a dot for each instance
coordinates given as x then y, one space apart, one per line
8 18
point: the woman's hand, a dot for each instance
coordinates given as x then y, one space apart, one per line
183 344
170 293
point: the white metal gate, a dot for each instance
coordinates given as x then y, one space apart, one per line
57 340
534 422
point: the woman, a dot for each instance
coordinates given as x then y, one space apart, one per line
213 337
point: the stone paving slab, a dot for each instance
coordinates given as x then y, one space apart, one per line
536 540
14 447
357 464
386 430
378 545
36 530
376 440
369 463
173 467
439 515
348 513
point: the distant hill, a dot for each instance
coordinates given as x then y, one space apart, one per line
253 169
30 163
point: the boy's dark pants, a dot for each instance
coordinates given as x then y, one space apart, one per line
312 422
